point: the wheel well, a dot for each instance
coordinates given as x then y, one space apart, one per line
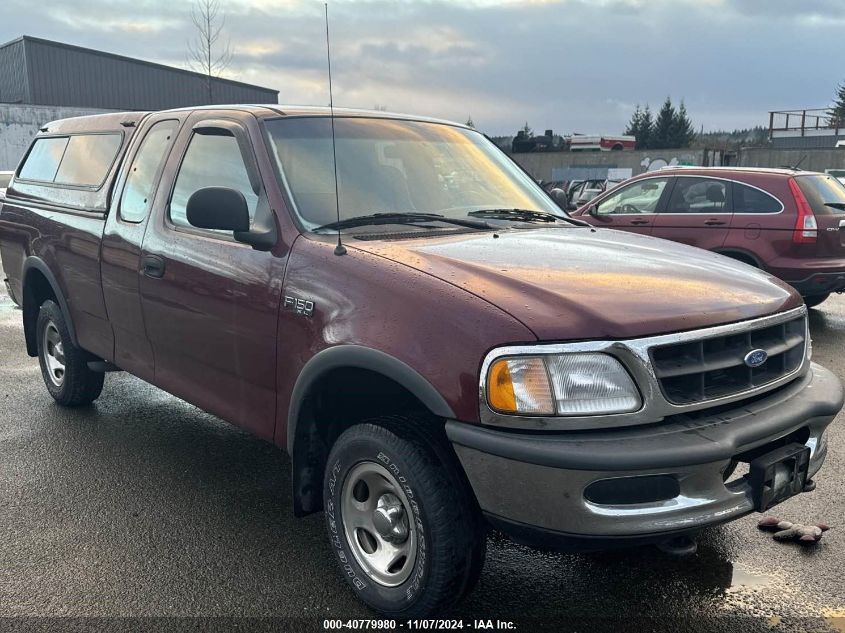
36 290
338 399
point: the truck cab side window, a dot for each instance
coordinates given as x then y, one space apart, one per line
140 183
211 161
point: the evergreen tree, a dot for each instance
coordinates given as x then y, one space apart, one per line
635 125
527 129
682 133
837 112
640 126
470 122
646 137
663 126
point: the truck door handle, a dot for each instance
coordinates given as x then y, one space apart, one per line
153 266
714 222
640 222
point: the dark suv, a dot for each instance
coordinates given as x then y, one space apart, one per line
789 223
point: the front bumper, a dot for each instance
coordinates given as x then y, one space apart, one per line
533 485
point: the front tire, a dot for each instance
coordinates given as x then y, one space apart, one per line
813 300
401 518
64 366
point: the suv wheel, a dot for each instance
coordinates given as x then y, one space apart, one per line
64 366
401 518
813 300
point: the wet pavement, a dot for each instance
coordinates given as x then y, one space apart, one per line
142 506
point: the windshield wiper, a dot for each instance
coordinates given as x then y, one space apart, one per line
400 218
836 205
524 215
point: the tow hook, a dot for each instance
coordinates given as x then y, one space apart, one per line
678 546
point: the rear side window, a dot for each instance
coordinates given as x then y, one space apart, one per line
43 160
698 195
81 160
825 193
143 175
750 200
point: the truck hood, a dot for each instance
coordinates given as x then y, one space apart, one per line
580 283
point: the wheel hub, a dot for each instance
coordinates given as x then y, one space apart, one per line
54 354
390 520
378 525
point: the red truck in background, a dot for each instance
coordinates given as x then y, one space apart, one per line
601 142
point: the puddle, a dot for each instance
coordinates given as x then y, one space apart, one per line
744 579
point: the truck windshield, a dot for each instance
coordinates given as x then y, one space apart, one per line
395 166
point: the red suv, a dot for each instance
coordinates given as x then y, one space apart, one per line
787 222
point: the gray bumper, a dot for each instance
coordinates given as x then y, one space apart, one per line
538 481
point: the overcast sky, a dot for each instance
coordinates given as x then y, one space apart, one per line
570 65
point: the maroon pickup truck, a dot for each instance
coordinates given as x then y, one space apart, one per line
467 356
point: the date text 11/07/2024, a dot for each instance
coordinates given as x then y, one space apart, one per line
420 625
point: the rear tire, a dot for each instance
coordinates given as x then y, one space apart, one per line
64 366
813 300
402 521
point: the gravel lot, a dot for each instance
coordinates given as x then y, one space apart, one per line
145 507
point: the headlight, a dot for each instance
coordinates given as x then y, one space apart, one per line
561 384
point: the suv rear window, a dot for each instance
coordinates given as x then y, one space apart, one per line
81 160
824 193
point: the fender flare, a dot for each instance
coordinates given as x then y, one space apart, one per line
361 357
36 263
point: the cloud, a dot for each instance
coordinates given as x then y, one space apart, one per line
571 65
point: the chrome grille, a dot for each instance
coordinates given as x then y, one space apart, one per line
714 367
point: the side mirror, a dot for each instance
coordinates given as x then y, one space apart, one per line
218 208
559 196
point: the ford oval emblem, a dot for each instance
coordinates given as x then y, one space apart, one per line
756 357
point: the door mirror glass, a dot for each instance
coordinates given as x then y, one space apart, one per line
218 208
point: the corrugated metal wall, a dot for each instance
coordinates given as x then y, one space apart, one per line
807 142
63 75
13 85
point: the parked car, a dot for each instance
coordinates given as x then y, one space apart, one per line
437 354
5 178
788 223
584 191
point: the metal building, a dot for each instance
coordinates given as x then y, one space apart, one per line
41 72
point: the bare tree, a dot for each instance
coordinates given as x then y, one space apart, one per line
207 54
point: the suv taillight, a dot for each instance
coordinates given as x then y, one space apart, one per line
806 228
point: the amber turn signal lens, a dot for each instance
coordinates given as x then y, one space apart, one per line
520 385
500 388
